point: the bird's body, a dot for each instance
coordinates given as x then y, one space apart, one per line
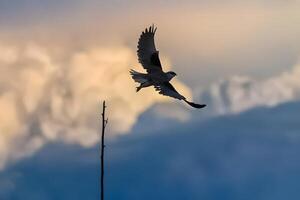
151 79
155 76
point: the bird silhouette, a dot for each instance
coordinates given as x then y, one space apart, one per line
148 57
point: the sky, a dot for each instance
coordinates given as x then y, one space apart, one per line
251 155
60 59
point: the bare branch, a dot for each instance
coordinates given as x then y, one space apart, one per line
104 123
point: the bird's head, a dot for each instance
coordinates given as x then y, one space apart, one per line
171 74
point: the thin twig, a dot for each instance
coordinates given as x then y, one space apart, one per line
104 123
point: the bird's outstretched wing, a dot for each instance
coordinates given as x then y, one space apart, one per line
167 89
147 53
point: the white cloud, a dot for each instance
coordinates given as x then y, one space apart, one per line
242 93
180 112
49 97
53 93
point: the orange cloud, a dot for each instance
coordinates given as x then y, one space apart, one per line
46 98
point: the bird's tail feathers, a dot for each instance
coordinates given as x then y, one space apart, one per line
194 104
138 77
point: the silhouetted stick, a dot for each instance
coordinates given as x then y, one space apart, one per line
104 122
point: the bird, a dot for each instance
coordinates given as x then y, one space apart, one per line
148 57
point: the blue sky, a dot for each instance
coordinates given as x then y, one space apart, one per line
58 59
253 155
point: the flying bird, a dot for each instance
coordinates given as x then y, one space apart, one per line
148 57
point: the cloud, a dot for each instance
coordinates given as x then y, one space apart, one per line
241 93
49 96
174 110
212 39
81 52
225 158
